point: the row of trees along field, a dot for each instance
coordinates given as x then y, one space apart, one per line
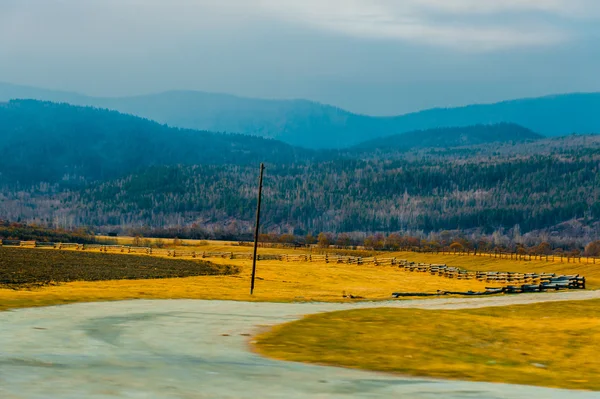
510 241
446 243
24 232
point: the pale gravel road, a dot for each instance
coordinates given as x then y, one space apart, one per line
177 349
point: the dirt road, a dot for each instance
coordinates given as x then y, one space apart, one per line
198 349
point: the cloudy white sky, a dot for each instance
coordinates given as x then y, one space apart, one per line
370 56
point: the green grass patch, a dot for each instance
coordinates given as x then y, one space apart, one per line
551 344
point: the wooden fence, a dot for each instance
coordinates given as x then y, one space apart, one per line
564 258
515 282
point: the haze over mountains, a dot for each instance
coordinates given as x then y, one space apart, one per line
313 125
71 142
50 142
451 137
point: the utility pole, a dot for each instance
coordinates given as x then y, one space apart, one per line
257 227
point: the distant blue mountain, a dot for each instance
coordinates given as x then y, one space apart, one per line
451 137
557 115
313 125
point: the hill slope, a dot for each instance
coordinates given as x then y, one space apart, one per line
43 141
558 115
313 125
535 185
10 92
451 137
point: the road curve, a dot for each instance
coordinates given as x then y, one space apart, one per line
198 349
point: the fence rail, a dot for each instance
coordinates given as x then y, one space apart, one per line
519 257
514 282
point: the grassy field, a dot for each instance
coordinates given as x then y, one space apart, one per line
27 268
282 281
469 262
553 344
277 281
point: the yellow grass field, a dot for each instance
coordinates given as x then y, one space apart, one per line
468 262
293 281
277 281
550 344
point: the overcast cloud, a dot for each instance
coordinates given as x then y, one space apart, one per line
371 56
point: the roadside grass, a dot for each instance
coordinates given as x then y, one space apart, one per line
550 344
276 282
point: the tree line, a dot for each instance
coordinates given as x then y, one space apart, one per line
25 232
445 241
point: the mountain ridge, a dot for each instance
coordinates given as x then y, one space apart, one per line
91 143
310 124
451 137
95 143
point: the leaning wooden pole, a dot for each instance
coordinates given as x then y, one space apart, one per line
257 227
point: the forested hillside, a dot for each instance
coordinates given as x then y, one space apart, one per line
49 142
451 137
312 125
488 189
371 196
73 144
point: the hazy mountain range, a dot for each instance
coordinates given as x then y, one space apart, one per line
50 142
313 125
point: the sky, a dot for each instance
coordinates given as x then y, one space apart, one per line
378 57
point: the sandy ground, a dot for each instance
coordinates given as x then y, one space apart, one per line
199 349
